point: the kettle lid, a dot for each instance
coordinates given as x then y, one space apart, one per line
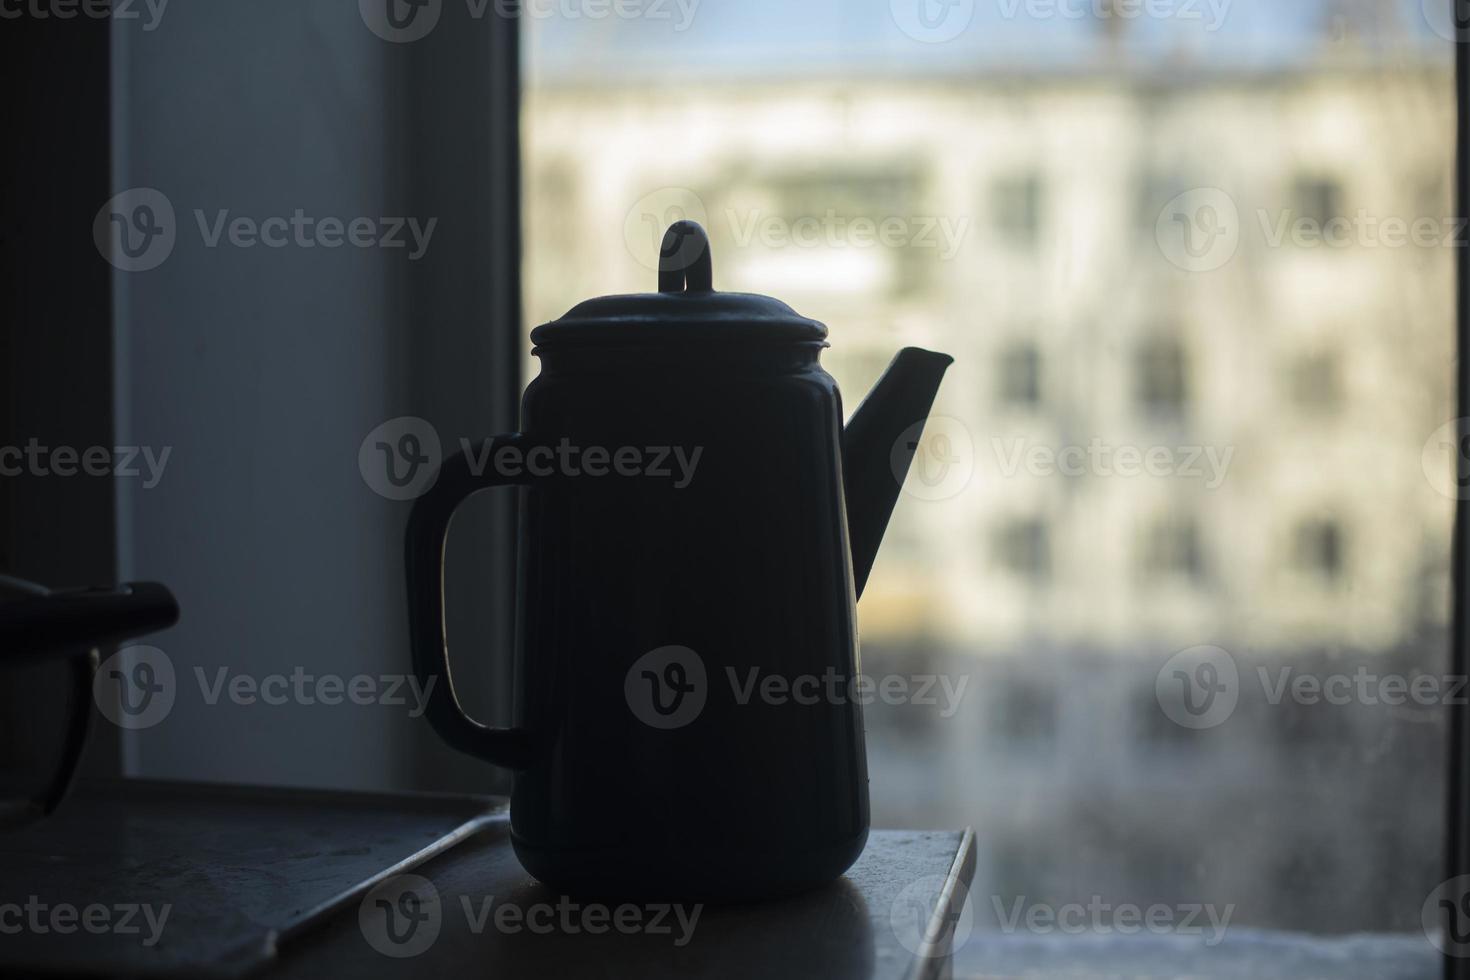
686 308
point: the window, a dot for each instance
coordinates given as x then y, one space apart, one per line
1318 200
1171 550
1146 343
1151 193
1016 204
1023 548
1019 376
1434 197
1315 382
1319 549
893 188
1162 380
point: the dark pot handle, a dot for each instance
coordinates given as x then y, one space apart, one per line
428 526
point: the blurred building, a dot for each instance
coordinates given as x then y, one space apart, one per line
1194 273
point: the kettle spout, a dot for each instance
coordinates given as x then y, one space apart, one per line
878 445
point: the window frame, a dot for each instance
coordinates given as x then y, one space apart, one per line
1457 822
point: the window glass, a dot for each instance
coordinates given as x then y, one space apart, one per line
1203 248
1019 375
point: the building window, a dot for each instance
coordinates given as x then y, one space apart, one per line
1153 191
1319 548
1435 200
1318 199
852 193
1023 547
1171 549
1019 381
1162 378
1315 383
810 201
1016 204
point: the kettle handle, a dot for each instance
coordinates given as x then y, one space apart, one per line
428 525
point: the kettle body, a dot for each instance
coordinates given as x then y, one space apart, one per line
683 634
689 723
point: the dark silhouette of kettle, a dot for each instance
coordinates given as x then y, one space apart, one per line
695 526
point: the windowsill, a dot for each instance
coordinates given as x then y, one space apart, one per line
1243 954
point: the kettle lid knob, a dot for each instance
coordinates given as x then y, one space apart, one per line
684 260
686 309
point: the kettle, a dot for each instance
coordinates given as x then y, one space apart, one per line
695 524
